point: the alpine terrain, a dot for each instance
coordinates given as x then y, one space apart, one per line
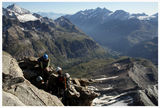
120 31
97 76
35 35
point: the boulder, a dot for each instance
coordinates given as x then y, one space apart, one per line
86 96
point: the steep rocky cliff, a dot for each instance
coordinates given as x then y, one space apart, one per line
17 91
20 90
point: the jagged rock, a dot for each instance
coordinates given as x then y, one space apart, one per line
84 82
132 76
152 93
76 81
28 65
143 75
28 62
147 97
86 96
19 91
77 93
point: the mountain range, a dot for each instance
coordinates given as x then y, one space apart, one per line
119 31
35 35
132 81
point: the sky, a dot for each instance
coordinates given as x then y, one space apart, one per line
149 8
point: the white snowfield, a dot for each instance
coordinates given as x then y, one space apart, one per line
92 88
107 78
111 100
146 17
21 14
26 17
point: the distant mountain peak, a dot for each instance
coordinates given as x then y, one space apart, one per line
15 11
63 21
121 12
18 9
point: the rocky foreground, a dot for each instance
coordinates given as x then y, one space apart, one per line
18 89
127 82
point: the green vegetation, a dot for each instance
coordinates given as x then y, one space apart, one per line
86 69
66 45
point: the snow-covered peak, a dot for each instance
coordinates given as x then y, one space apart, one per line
23 15
143 16
94 11
18 9
103 14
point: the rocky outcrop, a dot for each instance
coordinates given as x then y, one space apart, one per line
86 96
77 94
132 80
147 97
18 91
18 88
11 100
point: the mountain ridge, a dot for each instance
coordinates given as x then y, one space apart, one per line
119 30
62 40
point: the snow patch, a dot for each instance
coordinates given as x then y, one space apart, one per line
105 100
92 88
26 17
143 18
101 79
108 88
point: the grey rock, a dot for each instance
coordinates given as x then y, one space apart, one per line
147 97
11 100
19 91
10 66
